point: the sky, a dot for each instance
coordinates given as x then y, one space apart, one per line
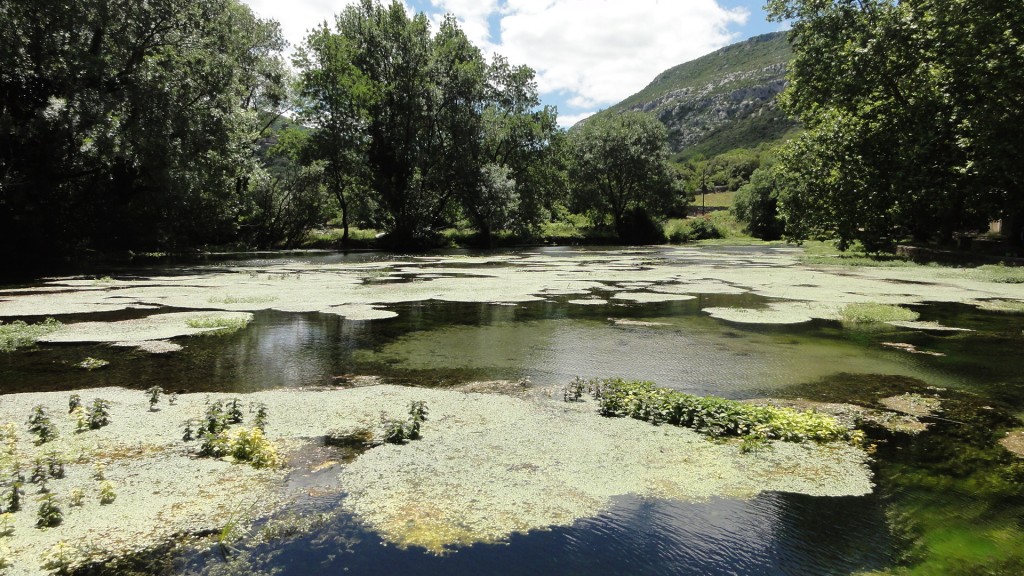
588 54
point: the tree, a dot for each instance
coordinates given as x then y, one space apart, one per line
756 203
129 124
907 121
619 168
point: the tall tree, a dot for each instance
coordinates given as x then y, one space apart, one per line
619 168
905 137
128 124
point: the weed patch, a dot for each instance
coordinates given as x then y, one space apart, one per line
18 334
871 312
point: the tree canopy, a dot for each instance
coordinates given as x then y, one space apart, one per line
619 168
911 109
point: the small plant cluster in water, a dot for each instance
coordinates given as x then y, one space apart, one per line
218 439
398 432
96 417
18 334
713 416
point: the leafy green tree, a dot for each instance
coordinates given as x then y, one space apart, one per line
907 106
129 124
619 168
756 204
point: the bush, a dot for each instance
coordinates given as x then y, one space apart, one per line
99 414
50 514
639 227
693 229
250 445
716 416
39 423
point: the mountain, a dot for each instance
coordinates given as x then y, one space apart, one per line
721 101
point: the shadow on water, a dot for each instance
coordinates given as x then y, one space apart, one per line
772 534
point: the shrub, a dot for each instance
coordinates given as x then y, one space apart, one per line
74 401
49 514
154 396
693 229
18 334
39 424
250 445
107 494
870 312
99 414
716 416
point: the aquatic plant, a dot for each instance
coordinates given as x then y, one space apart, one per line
54 465
60 558
14 494
49 514
234 411
99 471
189 433
91 363
398 432
6 524
39 473
76 498
215 420
172 398
107 494
575 390
250 445
716 416
219 324
154 396
39 423
74 401
18 334
99 414
864 313
260 420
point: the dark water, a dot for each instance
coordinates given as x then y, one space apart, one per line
673 344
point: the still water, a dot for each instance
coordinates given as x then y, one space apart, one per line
674 344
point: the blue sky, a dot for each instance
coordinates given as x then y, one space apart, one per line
588 54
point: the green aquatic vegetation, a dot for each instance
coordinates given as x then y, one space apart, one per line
716 416
107 494
98 415
154 396
39 423
218 325
250 445
74 401
399 432
6 524
76 498
866 313
91 363
241 299
50 513
260 420
1000 273
14 493
234 411
18 334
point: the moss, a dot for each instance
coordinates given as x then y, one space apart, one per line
18 334
867 313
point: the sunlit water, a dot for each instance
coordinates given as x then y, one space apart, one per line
550 342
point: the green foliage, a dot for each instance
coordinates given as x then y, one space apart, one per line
99 414
7 522
50 513
18 334
39 423
76 498
250 445
260 420
618 168
399 432
14 493
1000 273
716 416
692 230
131 127
757 204
872 313
575 390
909 108
221 324
74 402
91 363
107 495
154 396
60 558
234 411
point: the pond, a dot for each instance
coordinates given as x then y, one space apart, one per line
926 514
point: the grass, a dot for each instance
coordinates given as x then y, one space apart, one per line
817 252
1000 273
219 324
715 200
871 312
18 334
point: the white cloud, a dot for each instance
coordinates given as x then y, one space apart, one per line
602 52
569 120
587 53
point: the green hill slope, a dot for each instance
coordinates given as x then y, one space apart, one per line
721 101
